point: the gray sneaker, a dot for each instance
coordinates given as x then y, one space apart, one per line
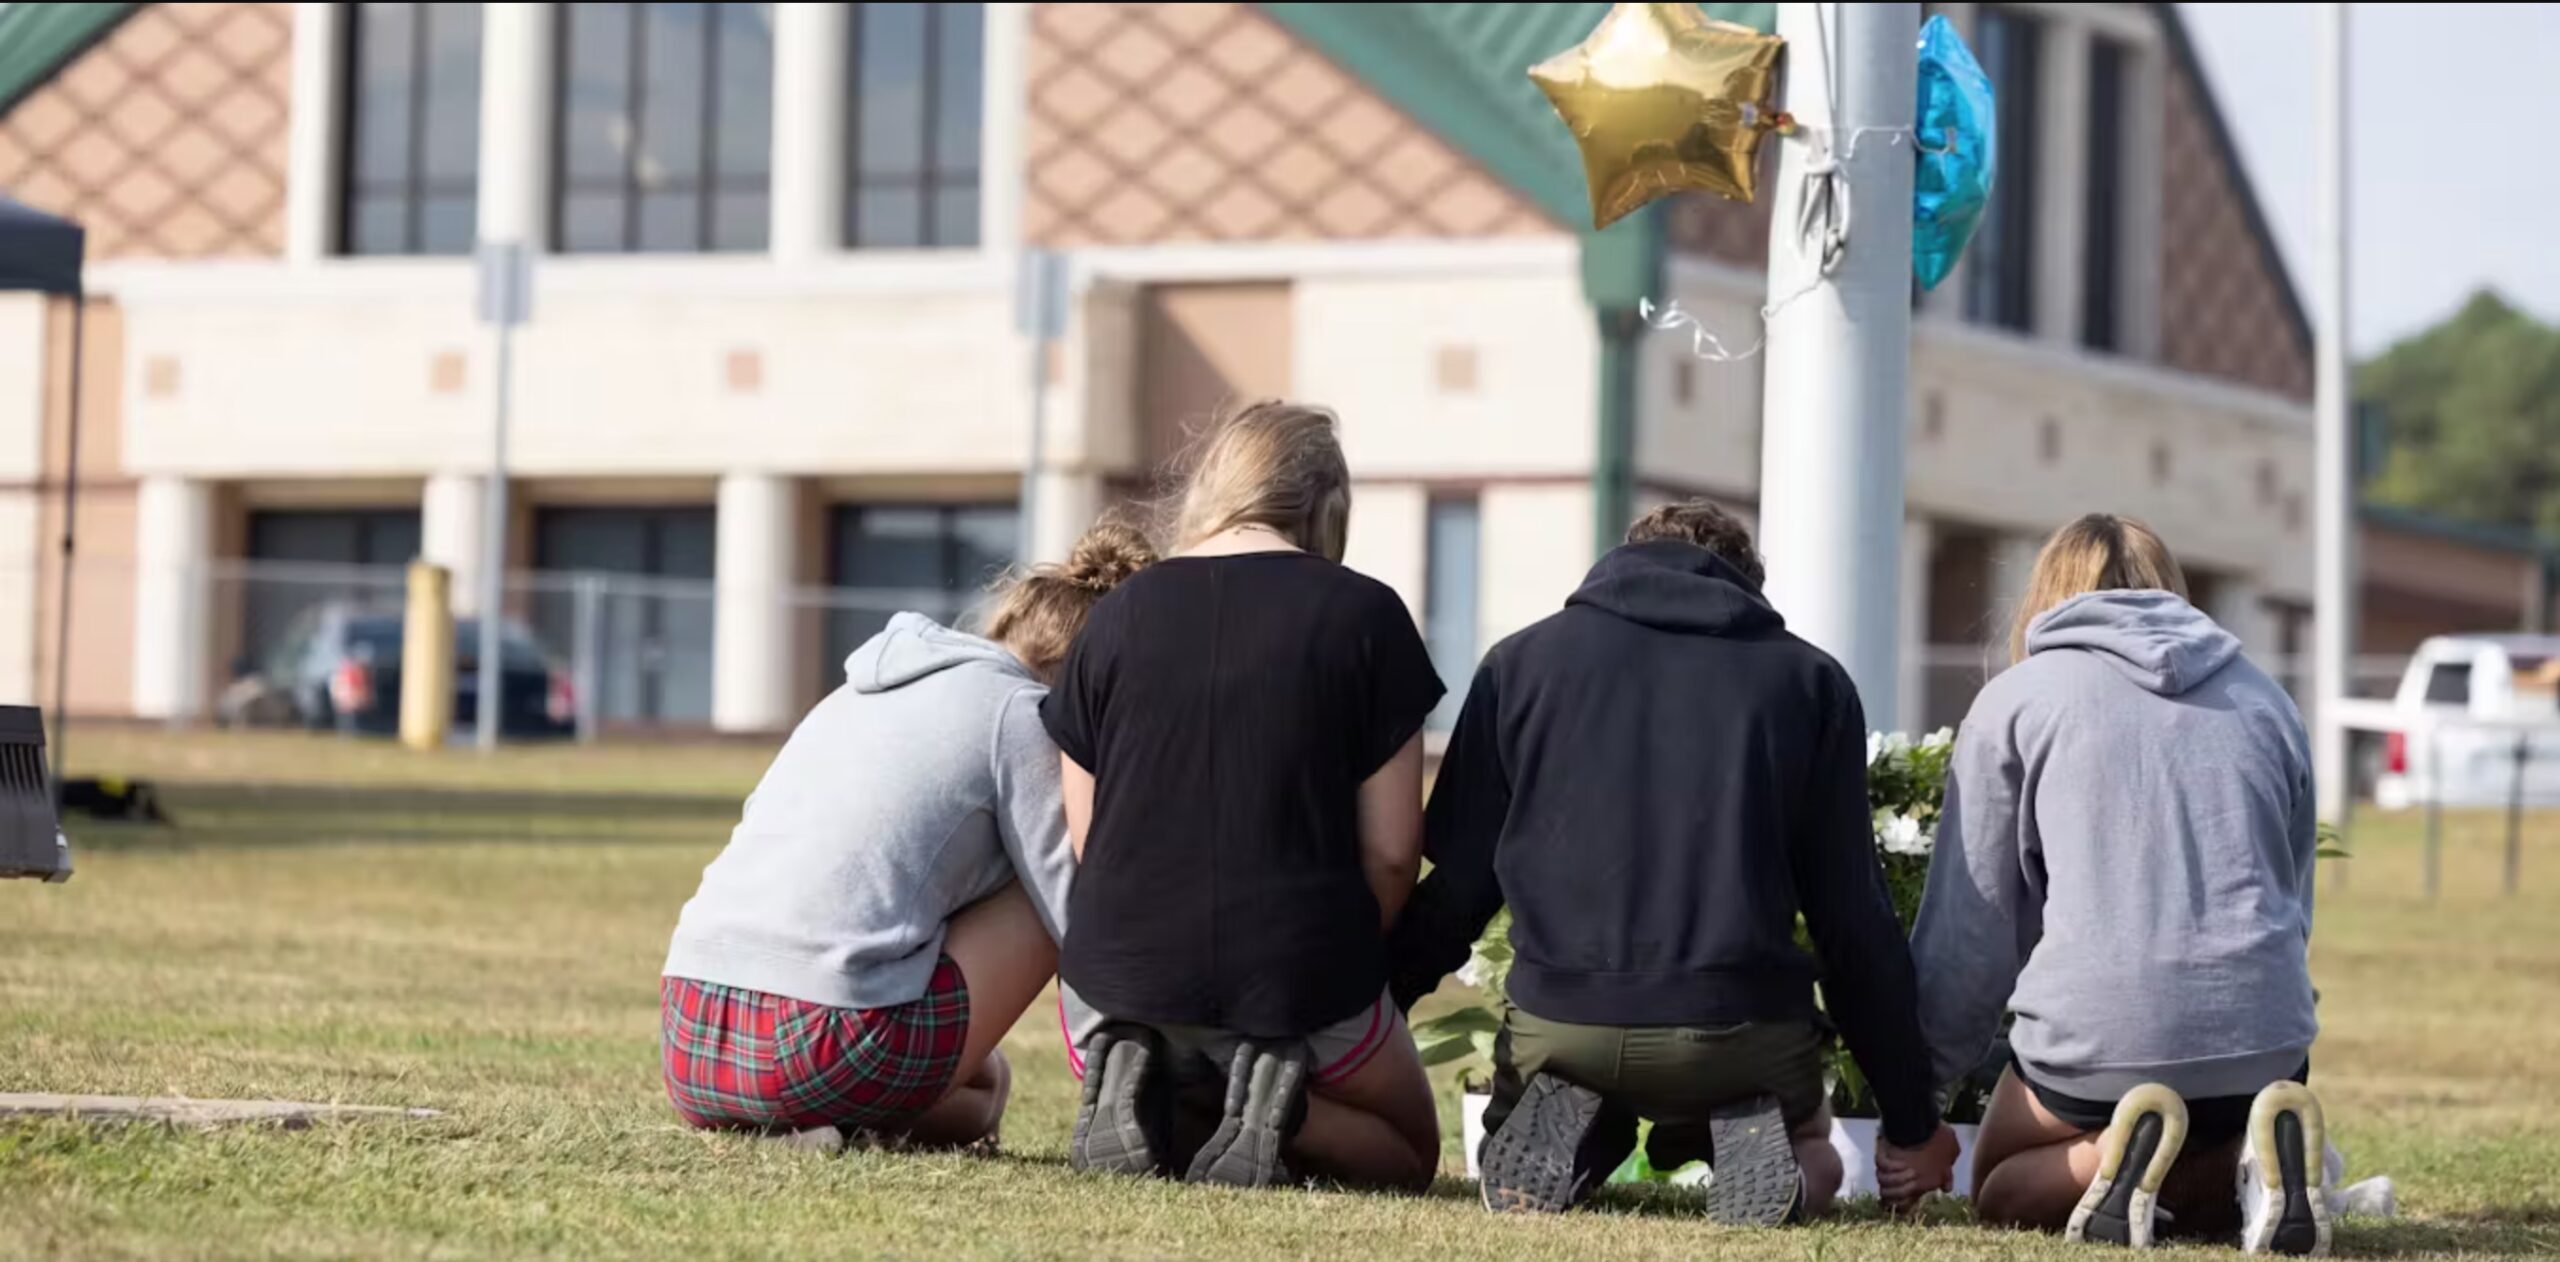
1544 1158
1266 1103
1124 1121
1757 1182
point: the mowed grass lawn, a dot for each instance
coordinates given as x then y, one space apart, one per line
493 954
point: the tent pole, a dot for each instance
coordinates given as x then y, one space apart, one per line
62 580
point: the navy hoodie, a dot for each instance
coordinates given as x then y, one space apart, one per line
1656 780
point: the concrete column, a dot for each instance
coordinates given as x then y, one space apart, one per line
172 592
809 109
1387 539
2240 605
311 134
2062 175
1537 541
450 532
1003 109
515 122
2013 562
1066 502
753 666
1919 542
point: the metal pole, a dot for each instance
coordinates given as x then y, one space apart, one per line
2435 814
2515 814
1839 349
2334 629
1030 527
1040 313
589 639
493 552
62 581
1613 468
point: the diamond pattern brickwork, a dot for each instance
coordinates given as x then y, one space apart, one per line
2222 309
1210 122
166 139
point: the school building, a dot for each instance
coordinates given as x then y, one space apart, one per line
773 382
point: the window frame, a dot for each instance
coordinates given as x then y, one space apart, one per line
1455 677
414 186
930 181
708 183
2013 239
2106 154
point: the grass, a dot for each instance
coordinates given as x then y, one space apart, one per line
402 946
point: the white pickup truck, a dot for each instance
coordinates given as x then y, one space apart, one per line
2466 707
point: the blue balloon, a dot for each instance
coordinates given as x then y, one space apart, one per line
1958 141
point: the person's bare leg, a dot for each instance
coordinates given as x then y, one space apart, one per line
1006 959
971 1111
1377 1127
1818 1160
2030 1168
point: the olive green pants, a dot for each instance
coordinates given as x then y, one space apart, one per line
1674 1076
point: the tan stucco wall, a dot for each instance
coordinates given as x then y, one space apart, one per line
166 138
1210 122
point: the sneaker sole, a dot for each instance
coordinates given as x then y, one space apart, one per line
1111 1135
1757 1182
2134 1156
1529 1164
2291 1135
1249 1147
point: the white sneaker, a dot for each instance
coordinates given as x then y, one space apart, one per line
2284 1195
2134 1156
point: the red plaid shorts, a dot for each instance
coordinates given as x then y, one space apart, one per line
744 1058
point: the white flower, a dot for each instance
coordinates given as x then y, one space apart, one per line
1901 834
1896 743
1875 746
1939 739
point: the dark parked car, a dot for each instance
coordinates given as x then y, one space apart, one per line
338 666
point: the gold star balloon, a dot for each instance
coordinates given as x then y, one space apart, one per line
1663 98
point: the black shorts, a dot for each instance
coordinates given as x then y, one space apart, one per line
2211 1122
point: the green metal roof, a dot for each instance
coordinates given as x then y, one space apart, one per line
38 39
1462 70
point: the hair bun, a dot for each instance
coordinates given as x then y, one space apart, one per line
1106 555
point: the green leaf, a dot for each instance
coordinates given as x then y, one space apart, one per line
1468 1020
1445 1050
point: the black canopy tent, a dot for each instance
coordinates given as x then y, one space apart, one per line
42 252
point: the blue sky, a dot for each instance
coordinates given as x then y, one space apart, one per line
2453 178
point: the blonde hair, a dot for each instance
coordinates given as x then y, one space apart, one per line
2098 553
1039 610
1269 464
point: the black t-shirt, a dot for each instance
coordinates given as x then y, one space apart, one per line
1229 708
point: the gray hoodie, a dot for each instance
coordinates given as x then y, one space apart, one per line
2125 861
923 785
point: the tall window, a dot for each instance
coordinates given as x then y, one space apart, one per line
2000 268
665 140
912 139
2103 247
412 159
1450 607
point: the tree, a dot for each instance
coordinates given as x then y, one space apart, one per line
2472 410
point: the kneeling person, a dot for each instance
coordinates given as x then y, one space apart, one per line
1656 780
891 900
